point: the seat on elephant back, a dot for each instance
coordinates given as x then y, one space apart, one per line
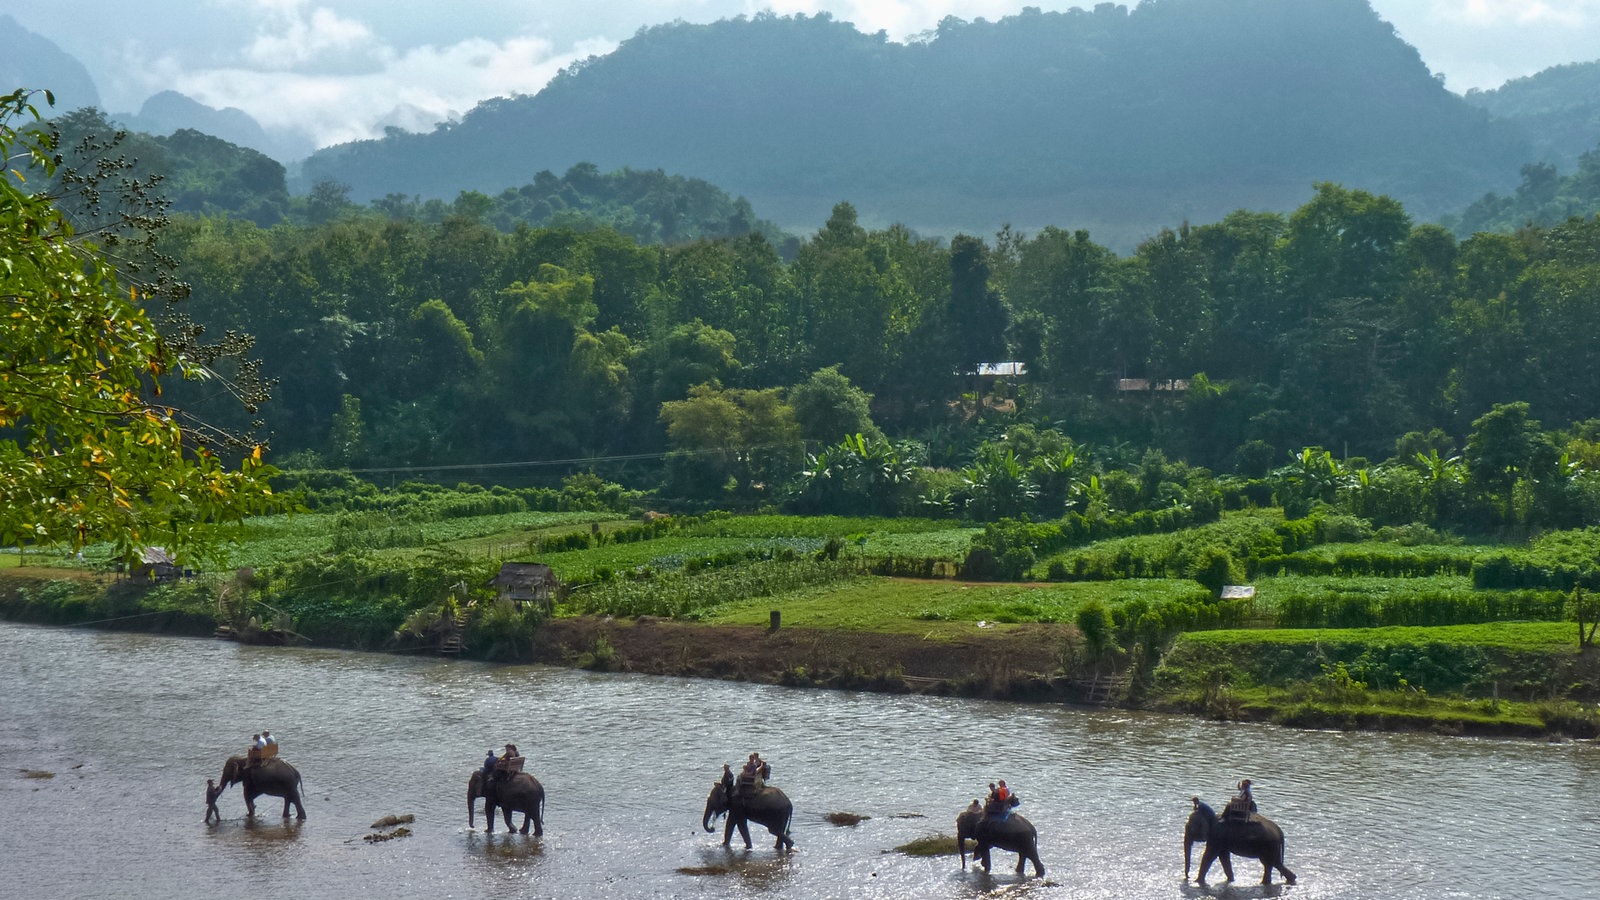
508 766
1239 810
255 756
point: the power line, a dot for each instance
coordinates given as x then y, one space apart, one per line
577 460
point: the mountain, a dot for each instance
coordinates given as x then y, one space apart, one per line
29 60
1559 108
1119 121
169 111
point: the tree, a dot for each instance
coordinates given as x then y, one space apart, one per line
827 406
1505 447
88 452
742 439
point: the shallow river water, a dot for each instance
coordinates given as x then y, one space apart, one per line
132 725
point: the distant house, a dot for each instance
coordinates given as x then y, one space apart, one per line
155 564
999 369
526 583
1127 386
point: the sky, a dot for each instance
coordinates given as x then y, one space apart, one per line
343 69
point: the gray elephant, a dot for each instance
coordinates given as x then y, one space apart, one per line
767 806
1011 832
1258 837
273 776
520 793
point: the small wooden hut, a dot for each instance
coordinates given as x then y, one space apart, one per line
527 583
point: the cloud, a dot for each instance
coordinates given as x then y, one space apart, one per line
295 34
415 87
1490 13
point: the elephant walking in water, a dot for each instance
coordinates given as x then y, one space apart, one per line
767 806
1259 837
1012 832
274 777
520 793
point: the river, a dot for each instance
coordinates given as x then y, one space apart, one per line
131 725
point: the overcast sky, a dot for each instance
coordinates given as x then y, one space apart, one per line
341 68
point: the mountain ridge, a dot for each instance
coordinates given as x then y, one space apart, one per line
1119 121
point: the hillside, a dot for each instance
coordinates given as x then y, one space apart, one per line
1115 120
1558 108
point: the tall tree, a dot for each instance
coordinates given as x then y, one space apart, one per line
88 450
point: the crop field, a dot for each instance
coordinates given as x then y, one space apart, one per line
1506 635
274 539
906 605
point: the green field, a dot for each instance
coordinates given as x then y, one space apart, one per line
898 605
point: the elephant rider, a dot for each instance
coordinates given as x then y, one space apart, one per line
488 765
1000 801
253 755
509 764
1241 805
754 775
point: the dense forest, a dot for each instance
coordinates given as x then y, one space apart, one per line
1344 325
1120 121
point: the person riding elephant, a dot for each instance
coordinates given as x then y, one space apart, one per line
765 805
1258 837
269 776
1011 832
519 792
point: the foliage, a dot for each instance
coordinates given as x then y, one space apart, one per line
90 451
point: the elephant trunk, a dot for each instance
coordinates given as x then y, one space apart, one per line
705 820
472 800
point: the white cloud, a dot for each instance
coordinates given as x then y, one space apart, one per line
295 34
415 87
1489 13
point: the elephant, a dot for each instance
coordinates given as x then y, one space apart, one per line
769 806
1259 837
520 793
273 776
1012 832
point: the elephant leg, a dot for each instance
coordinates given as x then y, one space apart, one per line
744 832
1038 865
1266 870
488 815
249 804
1022 861
982 856
1206 859
1227 864
527 820
286 802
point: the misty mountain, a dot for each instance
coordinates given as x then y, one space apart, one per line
1559 109
169 112
1114 120
29 60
